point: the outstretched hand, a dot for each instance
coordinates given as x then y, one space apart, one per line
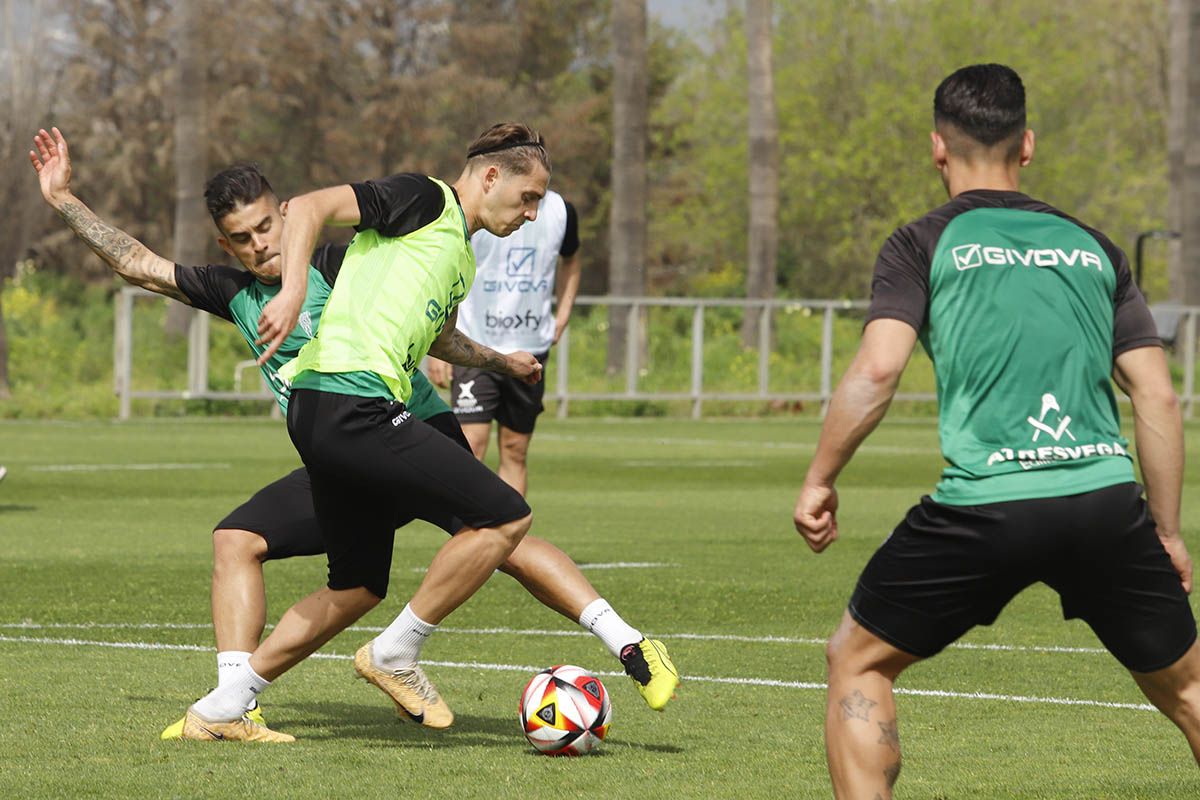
816 515
52 162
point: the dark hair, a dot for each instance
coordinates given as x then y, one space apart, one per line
232 187
986 102
512 146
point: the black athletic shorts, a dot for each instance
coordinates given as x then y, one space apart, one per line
479 396
370 461
282 512
946 569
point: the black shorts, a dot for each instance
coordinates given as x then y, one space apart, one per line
370 460
946 569
282 512
479 396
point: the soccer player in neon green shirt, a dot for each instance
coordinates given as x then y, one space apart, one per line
1025 313
402 277
279 520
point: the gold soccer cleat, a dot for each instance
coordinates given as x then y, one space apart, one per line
242 729
415 697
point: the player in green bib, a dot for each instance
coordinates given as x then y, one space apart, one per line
278 521
1027 314
369 457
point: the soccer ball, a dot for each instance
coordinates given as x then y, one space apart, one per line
565 711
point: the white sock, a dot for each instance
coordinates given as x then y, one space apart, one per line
230 700
228 662
399 646
607 625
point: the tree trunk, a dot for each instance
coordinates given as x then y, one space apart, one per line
191 144
23 101
1183 149
627 217
763 236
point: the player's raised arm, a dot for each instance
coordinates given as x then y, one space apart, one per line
306 215
124 254
454 346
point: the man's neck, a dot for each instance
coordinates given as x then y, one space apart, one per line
467 199
969 177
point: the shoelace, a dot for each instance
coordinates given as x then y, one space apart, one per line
415 679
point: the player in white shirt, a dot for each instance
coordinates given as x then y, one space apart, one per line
509 309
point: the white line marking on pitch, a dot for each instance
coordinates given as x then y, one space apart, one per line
1056 701
880 449
680 462
701 637
124 467
598 565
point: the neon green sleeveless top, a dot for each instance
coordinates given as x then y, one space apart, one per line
392 298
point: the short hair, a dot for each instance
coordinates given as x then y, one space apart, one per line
234 186
985 103
511 146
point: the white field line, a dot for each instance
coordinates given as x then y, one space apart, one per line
597 565
655 463
526 668
893 450
125 467
701 637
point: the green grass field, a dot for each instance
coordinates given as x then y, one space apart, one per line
104 570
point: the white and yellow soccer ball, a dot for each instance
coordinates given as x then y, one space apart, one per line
565 711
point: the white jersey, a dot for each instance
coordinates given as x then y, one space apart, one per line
508 308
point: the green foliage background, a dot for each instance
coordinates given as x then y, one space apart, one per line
321 93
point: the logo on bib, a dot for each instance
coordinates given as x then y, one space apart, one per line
519 262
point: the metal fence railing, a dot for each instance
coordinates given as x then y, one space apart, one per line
577 359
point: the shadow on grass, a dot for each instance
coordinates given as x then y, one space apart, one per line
10 507
378 726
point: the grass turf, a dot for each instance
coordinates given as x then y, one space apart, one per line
126 545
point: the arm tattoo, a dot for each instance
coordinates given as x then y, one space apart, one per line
128 257
111 244
856 706
466 352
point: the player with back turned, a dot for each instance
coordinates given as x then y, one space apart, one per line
1025 313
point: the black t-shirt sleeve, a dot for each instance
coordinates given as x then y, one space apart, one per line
211 288
900 284
398 205
570 242
327 260
1133 327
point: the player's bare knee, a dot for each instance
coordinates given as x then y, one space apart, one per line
513 532
233 547
358 599
514 453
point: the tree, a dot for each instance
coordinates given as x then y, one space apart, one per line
24 93
1183 150
191 150
627 216
764 164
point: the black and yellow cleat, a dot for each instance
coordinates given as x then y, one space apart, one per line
648 663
